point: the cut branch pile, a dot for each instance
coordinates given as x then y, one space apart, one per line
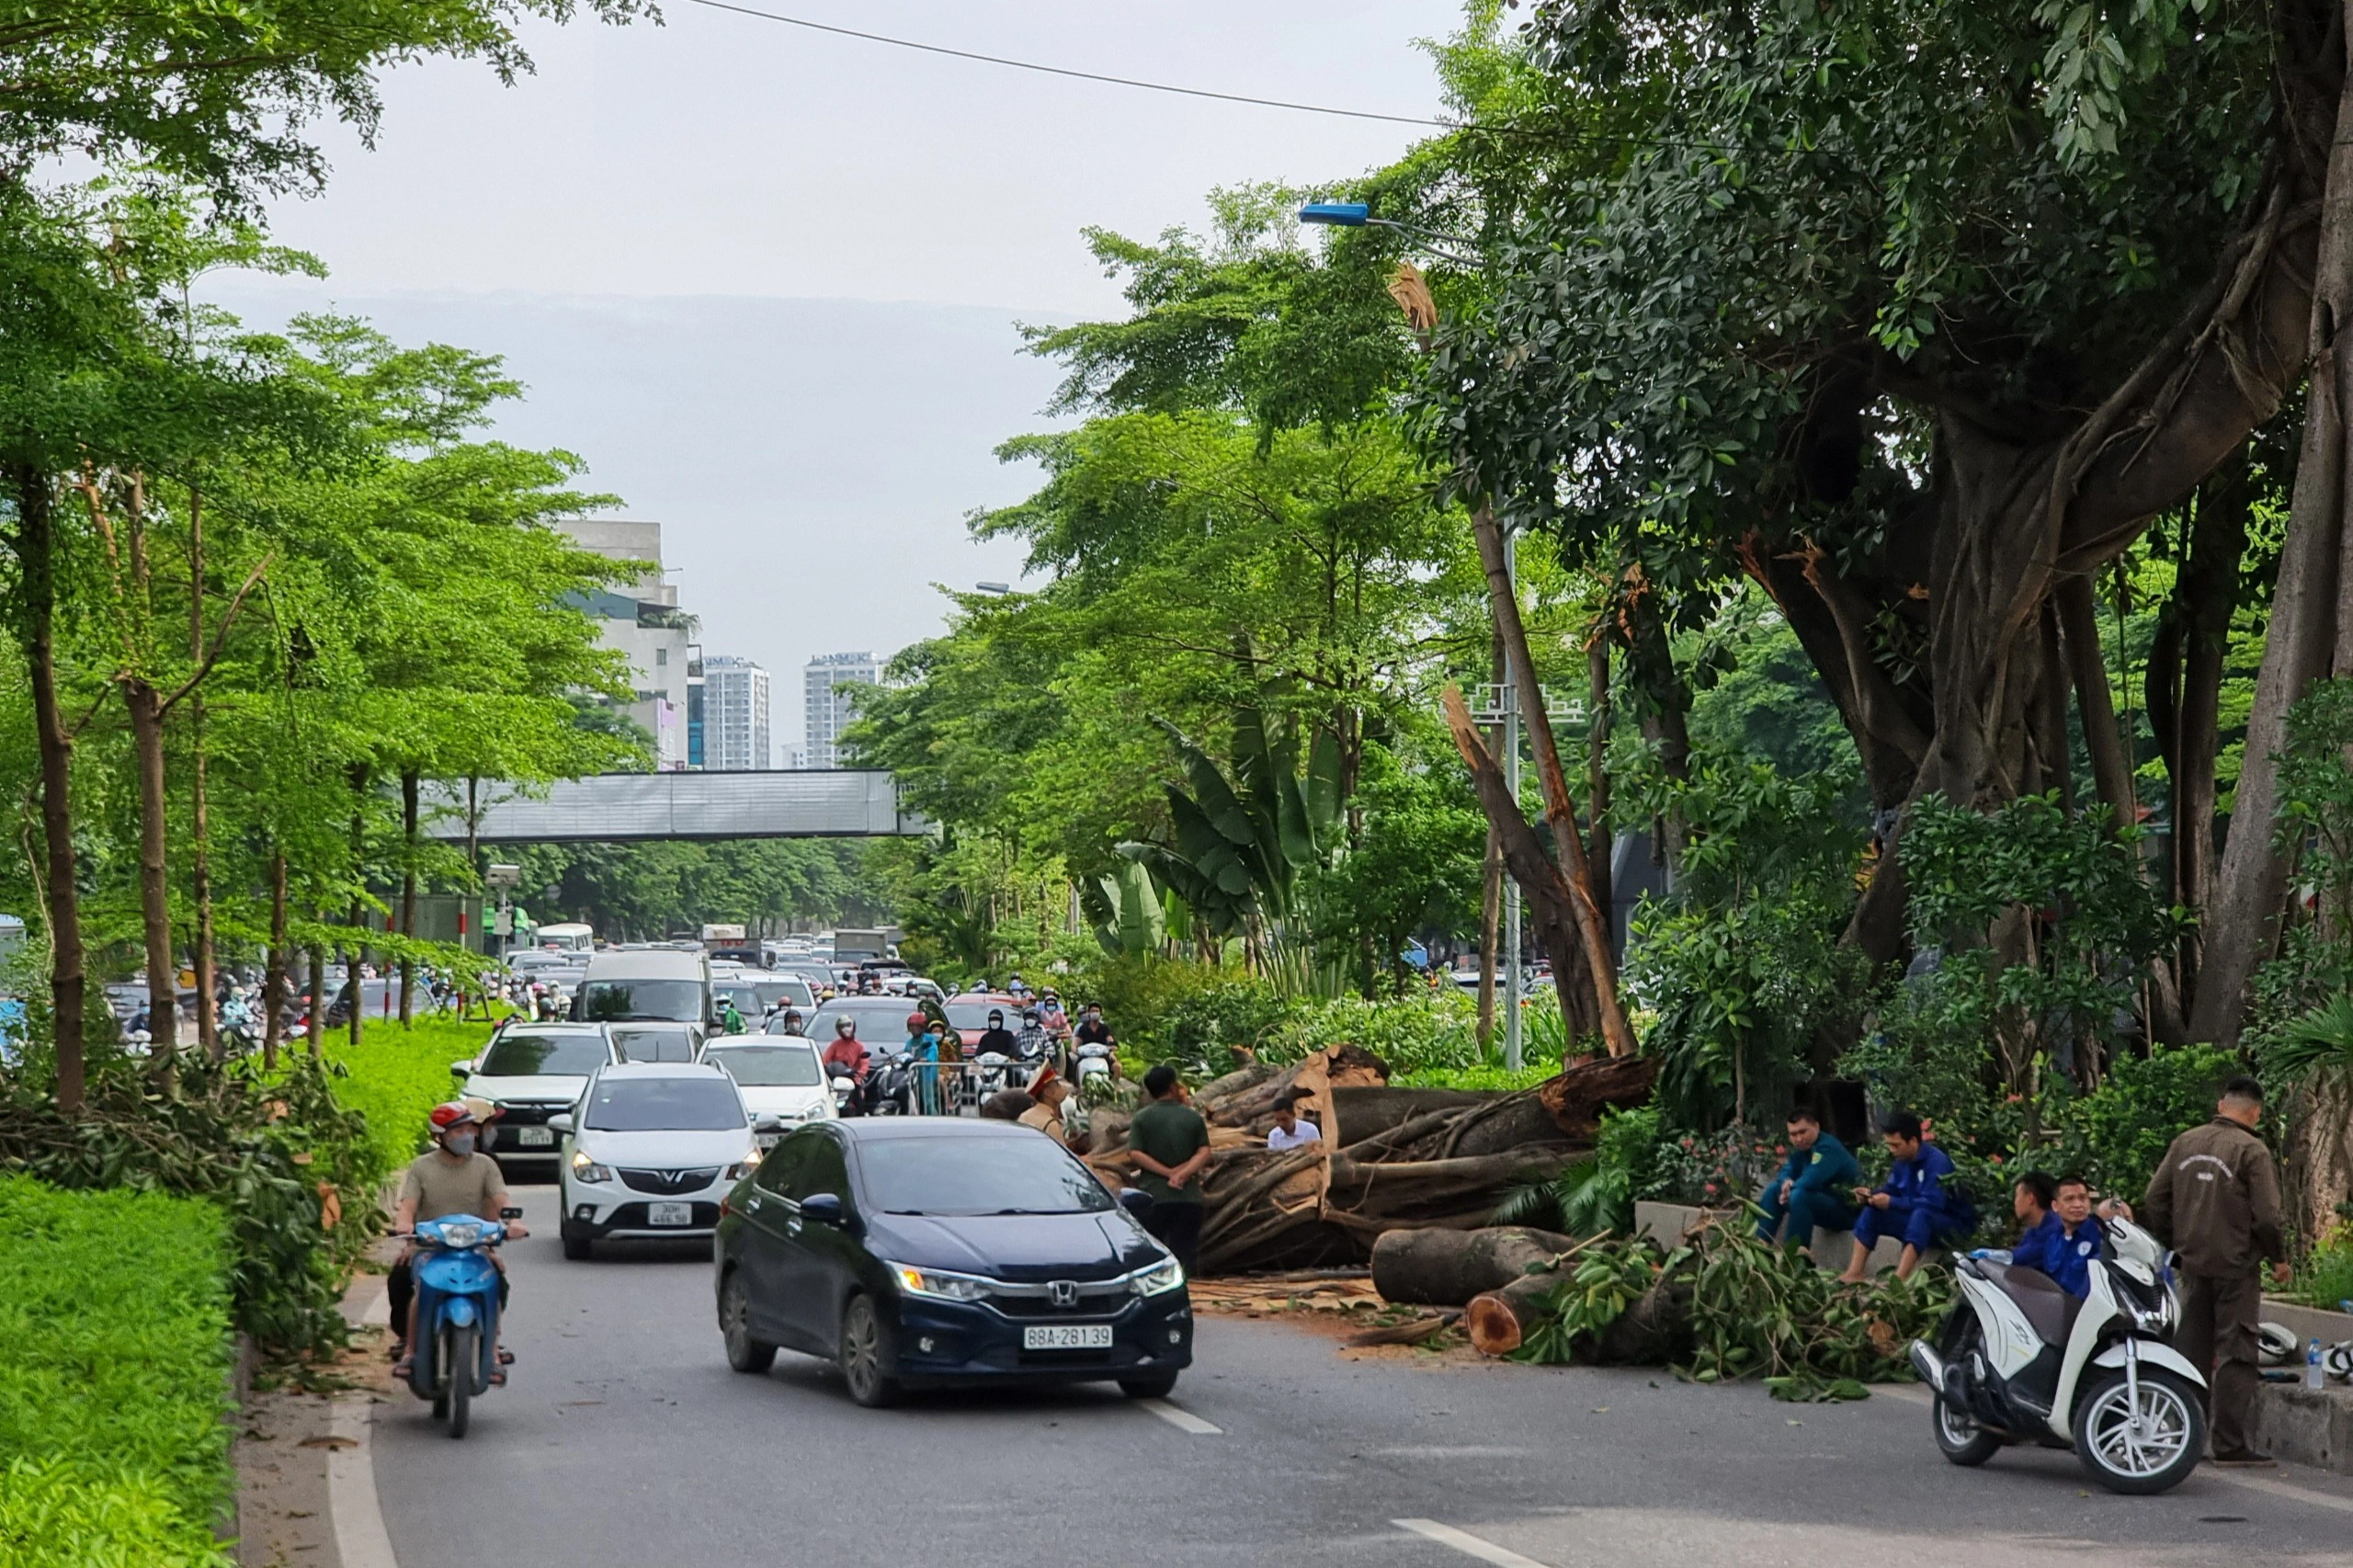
1389 1158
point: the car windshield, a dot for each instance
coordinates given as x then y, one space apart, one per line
771 1066
613 1001
782 1025
532 1055
747 999
976 1176
972 1015
788 992
654 1045
879 1018
664 1105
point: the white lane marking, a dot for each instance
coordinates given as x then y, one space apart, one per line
360 1539
1182 1419
1466 1543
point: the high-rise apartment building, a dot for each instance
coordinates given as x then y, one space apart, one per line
734 716
830 702
643 621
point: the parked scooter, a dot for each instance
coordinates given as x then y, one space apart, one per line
455 1354
2020 1360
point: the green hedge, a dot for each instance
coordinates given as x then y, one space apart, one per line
396 1075
114 1376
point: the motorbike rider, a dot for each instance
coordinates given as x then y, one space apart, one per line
996 1036
845 1050
454 1178
923 1048
792 1021
1030 1041
1915 1202
2047 1239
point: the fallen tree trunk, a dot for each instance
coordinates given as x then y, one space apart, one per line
1445 1268
1497 1320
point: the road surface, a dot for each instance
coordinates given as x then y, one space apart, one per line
623 1441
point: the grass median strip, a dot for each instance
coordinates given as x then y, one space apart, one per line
114 1373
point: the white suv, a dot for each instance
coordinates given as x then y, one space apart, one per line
532 1071
650 1150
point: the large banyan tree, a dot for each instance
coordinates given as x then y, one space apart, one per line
1917 313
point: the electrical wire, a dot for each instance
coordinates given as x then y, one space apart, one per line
1078 76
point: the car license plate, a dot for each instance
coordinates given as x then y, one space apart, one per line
669 1213
535 1137
1068 1337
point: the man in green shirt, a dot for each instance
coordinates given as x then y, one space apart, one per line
1169 1144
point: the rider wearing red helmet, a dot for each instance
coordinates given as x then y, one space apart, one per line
455 1178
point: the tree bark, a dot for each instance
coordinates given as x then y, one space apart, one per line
2096 707
1597 781
2206 595
1560 808
273 980
36 550
408 892
316 1030
1445 1268
208 1024
2241 925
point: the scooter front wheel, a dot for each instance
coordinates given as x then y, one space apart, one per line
1958 1435
465 1357
2143 1445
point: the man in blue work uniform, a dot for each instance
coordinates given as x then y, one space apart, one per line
1813 1189
2042 1236
2080 1236
1917 1203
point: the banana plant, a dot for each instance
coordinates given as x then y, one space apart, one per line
1240 838
1125 908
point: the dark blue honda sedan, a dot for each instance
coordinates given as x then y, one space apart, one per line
934 1250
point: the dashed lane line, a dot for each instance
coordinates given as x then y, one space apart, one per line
1466 1543
1182 1419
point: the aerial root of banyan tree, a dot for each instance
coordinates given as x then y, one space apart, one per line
1389 1158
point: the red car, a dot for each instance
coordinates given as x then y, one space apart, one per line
968 1014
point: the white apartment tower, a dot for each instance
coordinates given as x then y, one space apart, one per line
829 708
734 716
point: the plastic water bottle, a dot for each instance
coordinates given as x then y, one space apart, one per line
2312 1371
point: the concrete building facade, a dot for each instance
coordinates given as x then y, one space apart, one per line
640 617
830 700
734 716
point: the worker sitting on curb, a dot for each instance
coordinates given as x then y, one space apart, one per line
1918 1202
1811 1191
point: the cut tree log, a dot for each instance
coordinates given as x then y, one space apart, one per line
1648 1333
1575 1097
1436 1267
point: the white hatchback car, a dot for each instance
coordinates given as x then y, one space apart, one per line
532 1071
650 1149
778 1076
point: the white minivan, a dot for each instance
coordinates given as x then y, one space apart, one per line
645 985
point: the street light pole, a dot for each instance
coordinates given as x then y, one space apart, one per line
1511 885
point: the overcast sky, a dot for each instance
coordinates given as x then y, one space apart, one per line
764 279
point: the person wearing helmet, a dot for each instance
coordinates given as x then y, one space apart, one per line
1047 1091
923 1048
792 1021
845 1050
996 1036
1030 1042
454 1178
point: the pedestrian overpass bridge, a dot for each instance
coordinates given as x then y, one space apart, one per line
620 808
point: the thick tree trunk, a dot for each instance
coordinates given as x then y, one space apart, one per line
146 709
273 980
408 893
2241 925
1446 1268
2096 707
37 552
1560 808
2206 594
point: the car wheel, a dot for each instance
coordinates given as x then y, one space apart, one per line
1158 1386
2143 1445
865 1356
746 1352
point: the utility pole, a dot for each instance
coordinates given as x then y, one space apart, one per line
1511 884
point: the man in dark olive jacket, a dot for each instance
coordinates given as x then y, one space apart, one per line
2216 1200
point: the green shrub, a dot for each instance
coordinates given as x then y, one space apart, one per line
396 1075
2117 1134
2326 1277
114 1371
54 1515
1431 1031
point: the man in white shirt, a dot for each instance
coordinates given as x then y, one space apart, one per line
1289 1132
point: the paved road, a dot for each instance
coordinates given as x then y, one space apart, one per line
625 1442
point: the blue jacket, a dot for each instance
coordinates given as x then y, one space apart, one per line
1922 1185
1825 1166
2066 1259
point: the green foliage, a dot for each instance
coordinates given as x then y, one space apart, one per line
2116 1136
2325 1280
1125 909
1416 866
1761 1311
1715 1170
114 1376
644 891
1603 1281
1595 1194
1417 1033
1167 1009
1744 965
2317 1041
392 1078
1242 835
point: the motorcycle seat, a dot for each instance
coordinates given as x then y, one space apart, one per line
2048 1307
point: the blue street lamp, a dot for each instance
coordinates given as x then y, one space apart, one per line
1358 215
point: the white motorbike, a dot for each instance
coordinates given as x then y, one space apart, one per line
992 1071
2020 1360
1093 1068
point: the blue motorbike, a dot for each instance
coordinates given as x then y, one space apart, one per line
455 1354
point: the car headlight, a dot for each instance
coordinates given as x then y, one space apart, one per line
942 1287
585 1169
743 1168
1157 1279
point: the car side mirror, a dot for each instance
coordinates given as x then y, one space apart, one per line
1135 1200
822 1207
460 1069
560 1122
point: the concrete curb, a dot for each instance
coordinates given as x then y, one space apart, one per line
360 1539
